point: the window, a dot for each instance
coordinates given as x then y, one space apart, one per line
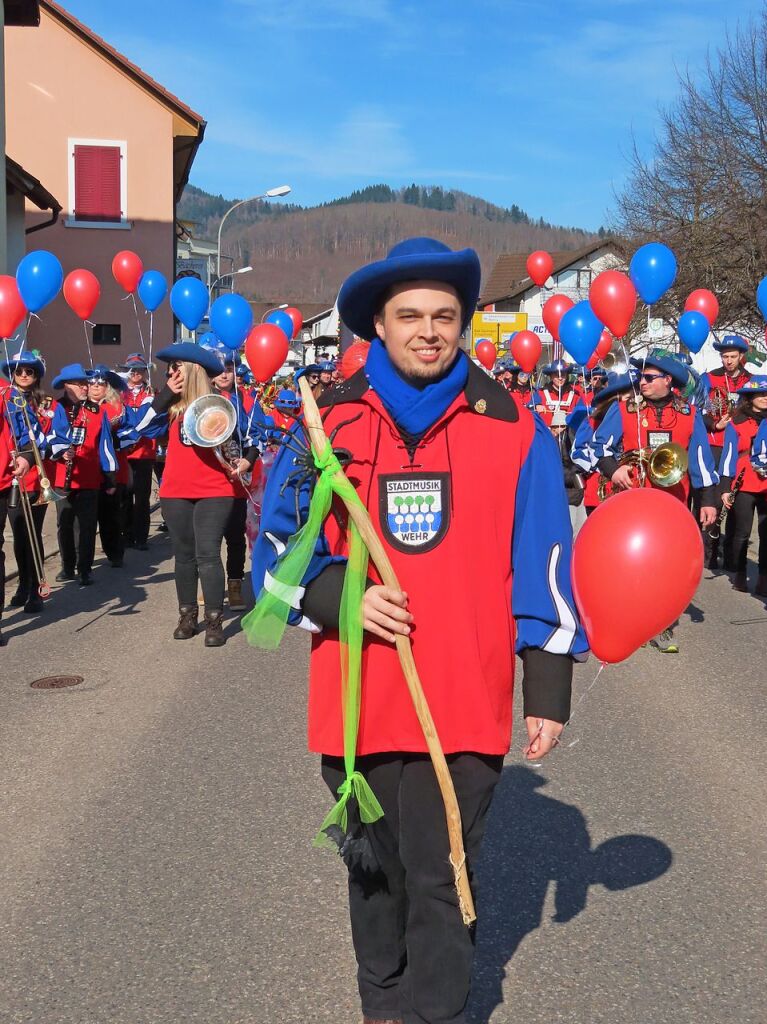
97 183
584 279
567 279
106 334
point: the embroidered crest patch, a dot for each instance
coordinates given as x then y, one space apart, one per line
414 510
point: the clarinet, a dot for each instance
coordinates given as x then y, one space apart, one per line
715 530
73 450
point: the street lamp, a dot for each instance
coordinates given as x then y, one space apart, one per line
233 273
272 193
265 314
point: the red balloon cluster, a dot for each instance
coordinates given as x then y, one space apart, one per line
486 353
629 582
295 316
12 308
553 311
705 302
127 269
266 349
82 291
613 298
539 266
354 358
526 349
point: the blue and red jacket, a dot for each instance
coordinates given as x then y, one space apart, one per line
474 518
745 448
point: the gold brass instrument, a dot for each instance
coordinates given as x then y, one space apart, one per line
210 422
663 466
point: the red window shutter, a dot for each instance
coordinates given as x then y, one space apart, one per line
97 183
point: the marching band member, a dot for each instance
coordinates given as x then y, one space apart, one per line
657 418
141 457
26 369
558 394
79 473
197 492
105 388
287 407
744 437
15 459
721 386
327 369
312 372
571 472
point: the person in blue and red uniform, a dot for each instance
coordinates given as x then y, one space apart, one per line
105 389
15 460
558 393
287 406
421 421
744 449
658 417
141 457
197 490
89 463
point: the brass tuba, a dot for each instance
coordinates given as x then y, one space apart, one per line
663 466
210 422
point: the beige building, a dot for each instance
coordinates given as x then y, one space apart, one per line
116 149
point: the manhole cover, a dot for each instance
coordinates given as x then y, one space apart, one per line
55 682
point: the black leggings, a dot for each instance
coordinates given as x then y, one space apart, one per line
742 517
196 527
235 540
4 496
22 549
137 502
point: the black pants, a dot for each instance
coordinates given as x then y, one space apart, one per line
4 496
414 953
196 527
235 539
742 516
80 506
110 518
136 502
22 549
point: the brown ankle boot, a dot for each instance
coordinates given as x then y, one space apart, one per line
234 588
761 586
739 582
187 622
214 629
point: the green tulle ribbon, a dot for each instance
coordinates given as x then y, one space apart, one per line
265 625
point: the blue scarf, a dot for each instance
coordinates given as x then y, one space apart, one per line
414 410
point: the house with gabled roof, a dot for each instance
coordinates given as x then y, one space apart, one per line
116 148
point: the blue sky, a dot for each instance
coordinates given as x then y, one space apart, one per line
517 101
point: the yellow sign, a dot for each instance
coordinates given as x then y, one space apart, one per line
498 328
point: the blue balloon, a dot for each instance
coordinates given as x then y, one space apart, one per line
761 297
39 277
653 271
152 289
693 330
231 318
189 301
209 339
282 320
579 331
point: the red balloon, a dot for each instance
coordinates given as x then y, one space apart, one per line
705 302
82 291
650 581
539 266
266 349
604 345
295 316
553 311
354 358
613 298
127 269
486 353
593 362
526 349
12 308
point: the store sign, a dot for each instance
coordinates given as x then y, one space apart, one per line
498 328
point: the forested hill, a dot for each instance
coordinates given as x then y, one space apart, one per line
302 254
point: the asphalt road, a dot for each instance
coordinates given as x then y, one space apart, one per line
156 862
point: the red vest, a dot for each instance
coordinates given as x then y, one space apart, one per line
752 482
85 421
145 447
724 386
44 413
566 400
467 672
643 429
193 472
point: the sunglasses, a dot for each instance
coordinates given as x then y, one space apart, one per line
650 377
172 367
24 371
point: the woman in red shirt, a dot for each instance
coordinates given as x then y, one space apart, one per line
197 491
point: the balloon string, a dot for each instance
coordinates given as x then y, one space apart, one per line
151 332
138 323
581 699
87 342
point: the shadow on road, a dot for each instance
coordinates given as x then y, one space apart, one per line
531 841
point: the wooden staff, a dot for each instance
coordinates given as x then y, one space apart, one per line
377 551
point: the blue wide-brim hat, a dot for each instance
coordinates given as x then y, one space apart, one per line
756 386
666 364
287 400
189 352
731 341
67 374
558 366
415 259
327 367
26 358
102 372
616 382
311 368
134 361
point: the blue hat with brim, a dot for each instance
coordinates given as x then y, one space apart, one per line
415 259
311 368
616 382
287 400
559 366
678 373
189 352
327 367
134 361
69 373
756 386
27 358
731 341
102 372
